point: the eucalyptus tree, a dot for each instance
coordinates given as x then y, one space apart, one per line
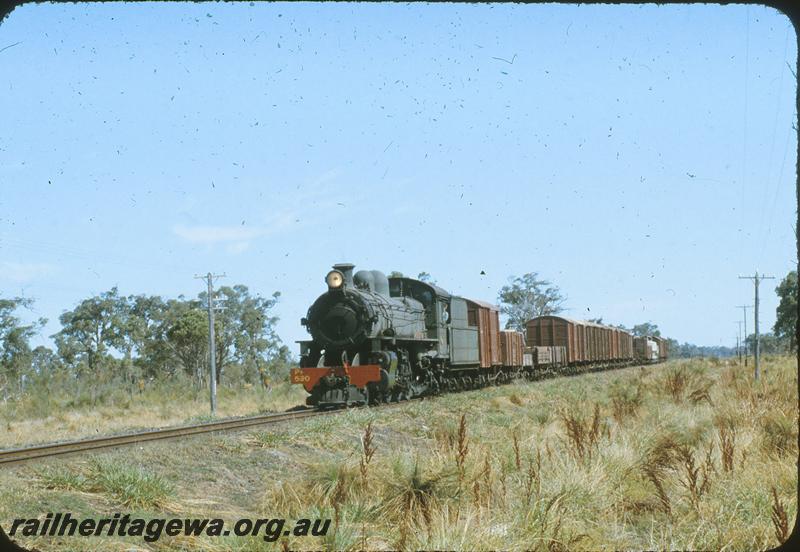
527 297
646 328
244 328
785 327
15 350
89 331
186 331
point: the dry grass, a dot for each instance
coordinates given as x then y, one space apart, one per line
676 381
727 444
779 518
463 447
367 452
625 400
582 435
659 460
517 457
155 407
696 478
667 468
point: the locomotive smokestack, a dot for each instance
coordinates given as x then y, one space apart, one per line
347 270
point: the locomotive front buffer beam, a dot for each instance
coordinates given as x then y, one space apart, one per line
337 385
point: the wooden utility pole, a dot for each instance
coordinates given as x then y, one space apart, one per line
756 279
744 340
212 348
739 341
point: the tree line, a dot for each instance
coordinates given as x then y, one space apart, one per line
529 296
135 337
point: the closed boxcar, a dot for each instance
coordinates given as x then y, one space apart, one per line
511 348
598 342
584 342
625 345
622 344
486 318
546 331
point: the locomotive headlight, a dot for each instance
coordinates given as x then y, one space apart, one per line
334 279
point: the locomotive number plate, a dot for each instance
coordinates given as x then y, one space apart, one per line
298 376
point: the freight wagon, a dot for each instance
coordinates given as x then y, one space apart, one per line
584 342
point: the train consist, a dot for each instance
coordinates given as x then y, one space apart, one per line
378 339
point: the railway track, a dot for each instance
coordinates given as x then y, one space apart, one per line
21 455
26 454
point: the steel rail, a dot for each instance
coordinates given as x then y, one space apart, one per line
20 455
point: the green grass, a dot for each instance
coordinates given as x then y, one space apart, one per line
63 479
131 486
123 483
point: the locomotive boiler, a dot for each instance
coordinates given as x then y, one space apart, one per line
365 343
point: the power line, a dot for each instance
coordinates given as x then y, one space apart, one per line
746 77
71 252
756 279
785 149
212 350
772 142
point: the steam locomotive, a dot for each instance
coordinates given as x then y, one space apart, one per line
377 339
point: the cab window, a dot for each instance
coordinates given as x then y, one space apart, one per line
472 316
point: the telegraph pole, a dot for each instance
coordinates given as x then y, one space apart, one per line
744 342
739 341
212 349
756 279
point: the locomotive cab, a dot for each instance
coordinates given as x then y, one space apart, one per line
436 302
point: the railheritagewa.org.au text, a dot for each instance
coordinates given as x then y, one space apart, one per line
65 525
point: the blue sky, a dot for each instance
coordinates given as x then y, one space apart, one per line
640 157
